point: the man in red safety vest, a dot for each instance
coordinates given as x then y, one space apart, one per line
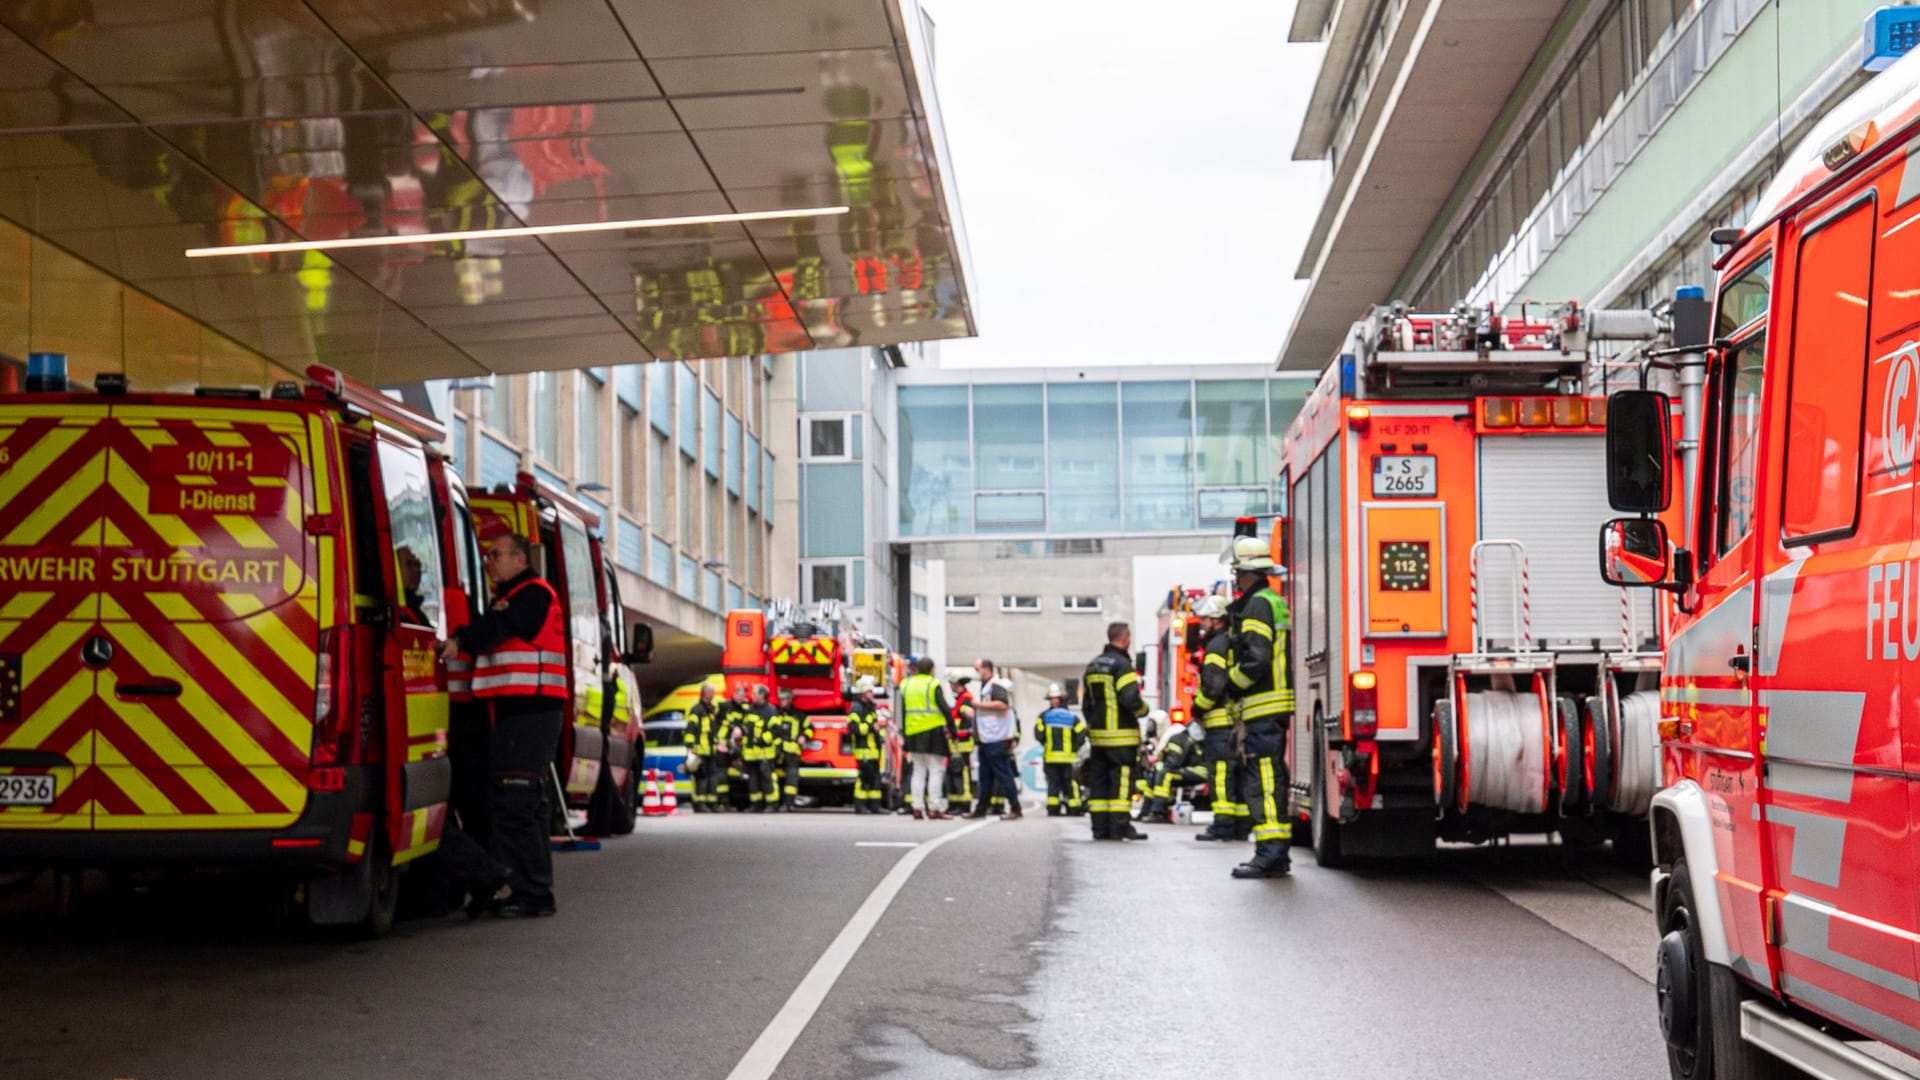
519 650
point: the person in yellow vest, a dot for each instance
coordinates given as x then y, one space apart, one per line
1258 671
924 715
863 742
1062 736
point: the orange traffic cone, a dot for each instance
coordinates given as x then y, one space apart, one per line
650 797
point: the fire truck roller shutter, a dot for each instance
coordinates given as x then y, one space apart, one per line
1506 751
1549 492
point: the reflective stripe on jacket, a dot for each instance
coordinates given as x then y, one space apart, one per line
1258 667
520 668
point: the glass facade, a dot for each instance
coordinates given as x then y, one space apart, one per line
1090 458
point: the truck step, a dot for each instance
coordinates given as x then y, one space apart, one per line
1807 1048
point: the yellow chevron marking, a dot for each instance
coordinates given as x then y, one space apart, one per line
133 488
64 501
295 723
293 651
216 717
23 606
57 708
129 779
112 536
160 738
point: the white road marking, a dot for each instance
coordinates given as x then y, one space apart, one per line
767 1051
886 843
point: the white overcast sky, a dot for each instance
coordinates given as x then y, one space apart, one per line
1125 171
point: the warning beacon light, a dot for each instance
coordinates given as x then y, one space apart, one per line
1889 34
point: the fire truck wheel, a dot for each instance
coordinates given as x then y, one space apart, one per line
1326 826
1572 765
627 804
1600 739
1446 756
384 879
1699 1002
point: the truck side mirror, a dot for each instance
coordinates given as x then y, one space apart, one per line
639 645
1634 553
1140 660
1639 451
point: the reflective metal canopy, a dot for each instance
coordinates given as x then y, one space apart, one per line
131 130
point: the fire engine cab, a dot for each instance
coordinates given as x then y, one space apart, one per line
1459 673
1787 861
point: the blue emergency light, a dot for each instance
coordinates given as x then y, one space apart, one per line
46 373
1889 34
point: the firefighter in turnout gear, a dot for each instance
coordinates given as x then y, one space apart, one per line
1062 737
731 768
863 740
1216 721
960 741
1257 670
754 736
790 731
519 646
1114 710
701 735
1182 763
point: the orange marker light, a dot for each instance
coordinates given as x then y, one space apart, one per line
1570 412
1536 412
1597 411
1364 680
1499 412
1358 415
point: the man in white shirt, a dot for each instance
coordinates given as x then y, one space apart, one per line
999 733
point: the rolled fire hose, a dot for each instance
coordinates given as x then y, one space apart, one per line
1637 753
1507 752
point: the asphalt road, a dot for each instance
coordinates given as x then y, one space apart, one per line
1021 949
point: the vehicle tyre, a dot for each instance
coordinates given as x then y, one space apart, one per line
1446 757
1326 825
1572 766
1699 1002
1600 741
626 807
383 880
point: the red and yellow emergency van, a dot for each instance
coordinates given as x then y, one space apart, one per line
602 744
219 616
1457 667
1786 848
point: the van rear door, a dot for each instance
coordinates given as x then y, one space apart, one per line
210 601
53 468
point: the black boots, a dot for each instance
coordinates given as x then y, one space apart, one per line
1269 860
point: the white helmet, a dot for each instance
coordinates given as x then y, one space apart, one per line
865 685
1210 606
960 675
1250 553
1055 690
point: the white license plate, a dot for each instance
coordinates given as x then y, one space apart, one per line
1405 476
20 790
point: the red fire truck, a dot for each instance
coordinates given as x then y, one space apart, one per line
1785 844
1460 674
818 655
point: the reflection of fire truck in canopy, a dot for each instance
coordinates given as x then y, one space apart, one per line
818 655
1461 675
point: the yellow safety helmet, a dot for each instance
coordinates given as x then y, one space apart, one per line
1250 553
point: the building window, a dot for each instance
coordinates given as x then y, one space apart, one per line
586 427
546 416
920 646
919 602
829 581
829 439
632 454
1020 603
963 603
1086 604
502 403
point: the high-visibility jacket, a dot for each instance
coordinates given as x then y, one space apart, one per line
1216 685
863 733
960 736
460 677
1113 703
1257 669
520 668
755 734
923 717
1061 735
699 733
788 731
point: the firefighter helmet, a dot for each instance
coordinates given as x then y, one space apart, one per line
1210 606
960 676
1250 553
1055 690
865 685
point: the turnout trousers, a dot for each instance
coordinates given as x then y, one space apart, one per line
707 782
520 756
1063 790
1229 809
1265 779
1110 773
866 786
